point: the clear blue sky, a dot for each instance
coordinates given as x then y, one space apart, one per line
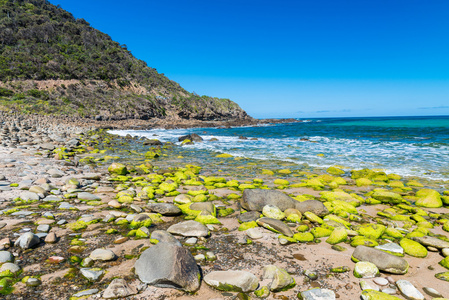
314 58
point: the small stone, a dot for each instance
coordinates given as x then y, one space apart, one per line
102 254
43 228
51 238
6 256
408 290
11 267
380 281
92 274
235 281
364 269
33 282
432 292
318 294
189 229
364 285
27 240
85 293
254 233
119 288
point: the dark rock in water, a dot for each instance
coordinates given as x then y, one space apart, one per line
383 260
256 199
168 265
153 142
192 137
166 209
249 216
315 206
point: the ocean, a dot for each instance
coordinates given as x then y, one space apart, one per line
408 146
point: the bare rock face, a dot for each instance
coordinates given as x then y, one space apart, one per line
169 265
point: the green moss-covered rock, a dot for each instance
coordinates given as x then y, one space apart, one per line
365 269
363 182
335 171
313 218
339 235
361 240
375 295
319 232
394 233
281 182
443 276
372 231
315 183
413 248
207 219
387 197
248 225
262 292
428 198
304 237
445 262
118 168
271 211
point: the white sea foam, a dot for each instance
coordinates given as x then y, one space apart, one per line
402 158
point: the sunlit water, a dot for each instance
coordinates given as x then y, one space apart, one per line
409 146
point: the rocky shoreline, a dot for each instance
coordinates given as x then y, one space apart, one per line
80 221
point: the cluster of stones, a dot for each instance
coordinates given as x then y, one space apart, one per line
176 211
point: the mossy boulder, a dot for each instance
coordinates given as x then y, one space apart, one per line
303 237
118 168
363 182
365 269
319 232
313 218
445 262
386 196
281 182
335 171
315 183
372 231
361 240
339 235
428 198
271 211
413 248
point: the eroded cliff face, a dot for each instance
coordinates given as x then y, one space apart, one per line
54 64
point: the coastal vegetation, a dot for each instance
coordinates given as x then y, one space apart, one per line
52 63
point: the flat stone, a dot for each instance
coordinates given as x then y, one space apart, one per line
314 206
166 209
23 213
52 198
380 281
432 292
275 225
85 293
384 261
168 265
391 247
254 233
29 196
233 281
119 288
408 290
431 241
85 196
43 228
318 294
102 254
189 228
6 256
249 216
365 285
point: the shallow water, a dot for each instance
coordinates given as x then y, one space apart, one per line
409 146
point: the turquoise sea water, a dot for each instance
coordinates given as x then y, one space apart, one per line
409 146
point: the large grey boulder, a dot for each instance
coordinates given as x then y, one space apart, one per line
384 261
27 240
315 206
233 281
168 265
256 199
